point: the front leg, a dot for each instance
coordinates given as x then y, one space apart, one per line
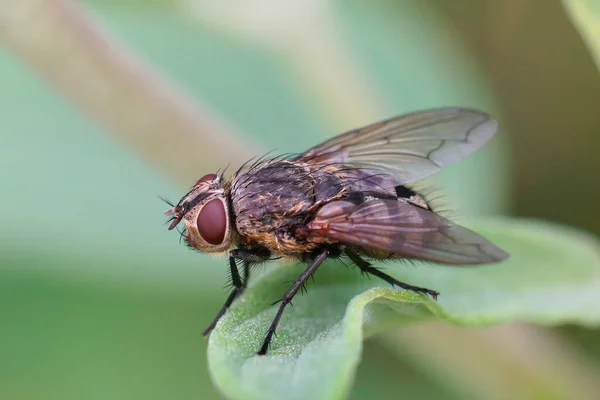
248 258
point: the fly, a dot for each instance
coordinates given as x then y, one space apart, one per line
346 197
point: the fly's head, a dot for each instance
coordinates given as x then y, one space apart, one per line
205 212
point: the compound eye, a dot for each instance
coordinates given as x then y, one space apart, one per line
212 222
209 177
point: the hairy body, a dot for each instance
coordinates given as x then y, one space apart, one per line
273 203
344 197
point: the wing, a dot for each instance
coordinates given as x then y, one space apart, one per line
409 147
404 230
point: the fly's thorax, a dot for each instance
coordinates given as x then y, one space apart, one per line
271 201
265 198
206 215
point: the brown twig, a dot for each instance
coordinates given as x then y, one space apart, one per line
62 43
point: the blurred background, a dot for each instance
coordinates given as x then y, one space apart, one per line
105 105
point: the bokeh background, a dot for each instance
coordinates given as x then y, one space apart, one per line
99 301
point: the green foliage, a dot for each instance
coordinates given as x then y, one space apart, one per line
553 276
585 15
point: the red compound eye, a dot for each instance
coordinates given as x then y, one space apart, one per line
209 177
212 222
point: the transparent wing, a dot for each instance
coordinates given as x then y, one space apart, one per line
404 230
409 147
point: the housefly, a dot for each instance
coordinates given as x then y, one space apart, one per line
346 197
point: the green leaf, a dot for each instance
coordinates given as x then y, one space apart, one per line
553 276
585 15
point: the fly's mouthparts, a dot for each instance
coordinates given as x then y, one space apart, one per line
176 216
175 220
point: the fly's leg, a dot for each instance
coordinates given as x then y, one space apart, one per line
289 295
369 269
238 288
248 257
